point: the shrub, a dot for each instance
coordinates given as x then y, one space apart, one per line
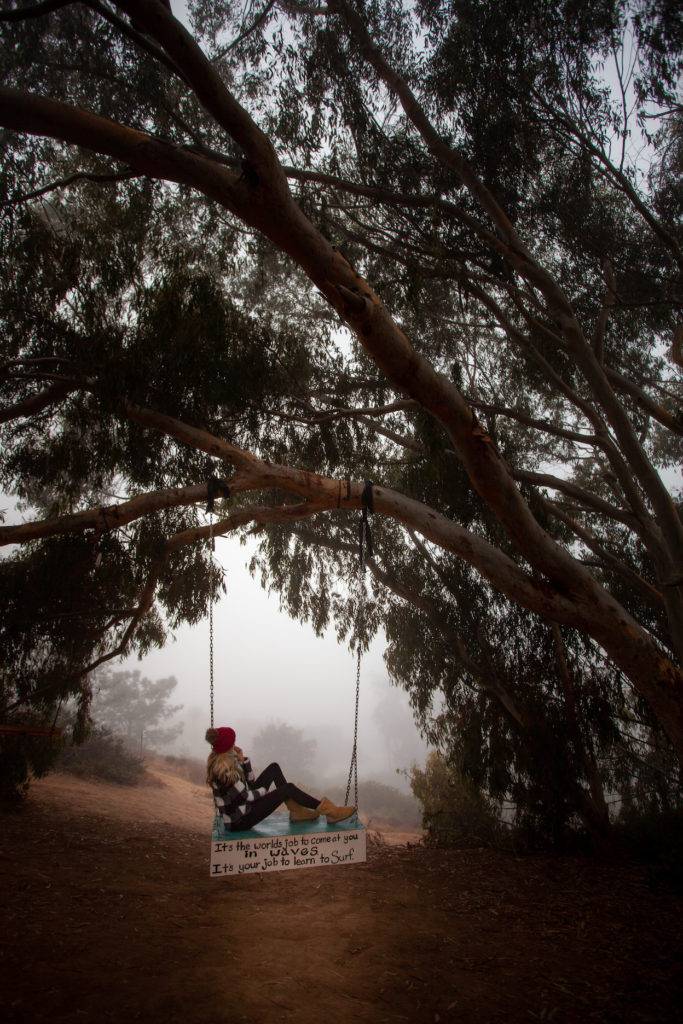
23 758
382 802
655 838
102 756
454 811
189 768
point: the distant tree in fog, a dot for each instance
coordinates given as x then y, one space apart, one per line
284 744
133 707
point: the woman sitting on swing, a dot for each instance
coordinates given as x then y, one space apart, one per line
243 801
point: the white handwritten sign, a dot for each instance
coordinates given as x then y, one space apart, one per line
235 855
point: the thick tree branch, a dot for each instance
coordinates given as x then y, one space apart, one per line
607 307
588 500
253 474
71 179
37 403
38 115
104 519
591 440
157 21
593 611
652 408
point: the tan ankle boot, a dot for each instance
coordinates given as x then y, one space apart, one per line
299 813
333 813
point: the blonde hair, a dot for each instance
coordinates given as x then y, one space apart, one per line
222 768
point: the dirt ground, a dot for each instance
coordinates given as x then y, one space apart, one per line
109 914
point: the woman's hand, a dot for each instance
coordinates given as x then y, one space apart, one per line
240 753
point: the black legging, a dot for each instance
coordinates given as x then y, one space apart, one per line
265 805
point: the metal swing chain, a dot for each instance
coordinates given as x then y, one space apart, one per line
214 488
353 769
363 535
54 720
211 588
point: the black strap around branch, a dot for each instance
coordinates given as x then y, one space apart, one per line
215 488
364 532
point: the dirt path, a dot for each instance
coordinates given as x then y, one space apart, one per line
109 914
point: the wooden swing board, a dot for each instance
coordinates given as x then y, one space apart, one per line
277 844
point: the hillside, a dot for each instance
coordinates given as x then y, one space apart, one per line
109 915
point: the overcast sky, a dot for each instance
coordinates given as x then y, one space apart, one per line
271 669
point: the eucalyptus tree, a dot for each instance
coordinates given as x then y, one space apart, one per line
532 715
134 708
455 186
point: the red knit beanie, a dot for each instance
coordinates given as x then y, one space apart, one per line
225 740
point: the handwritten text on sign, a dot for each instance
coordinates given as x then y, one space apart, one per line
284 853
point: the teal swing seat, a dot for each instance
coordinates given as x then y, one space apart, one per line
277 844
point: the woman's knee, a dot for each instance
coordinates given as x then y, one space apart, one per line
275 772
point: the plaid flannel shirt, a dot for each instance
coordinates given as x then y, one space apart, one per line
232 800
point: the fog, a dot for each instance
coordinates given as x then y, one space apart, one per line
269 669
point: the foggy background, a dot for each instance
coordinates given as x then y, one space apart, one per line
270 669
